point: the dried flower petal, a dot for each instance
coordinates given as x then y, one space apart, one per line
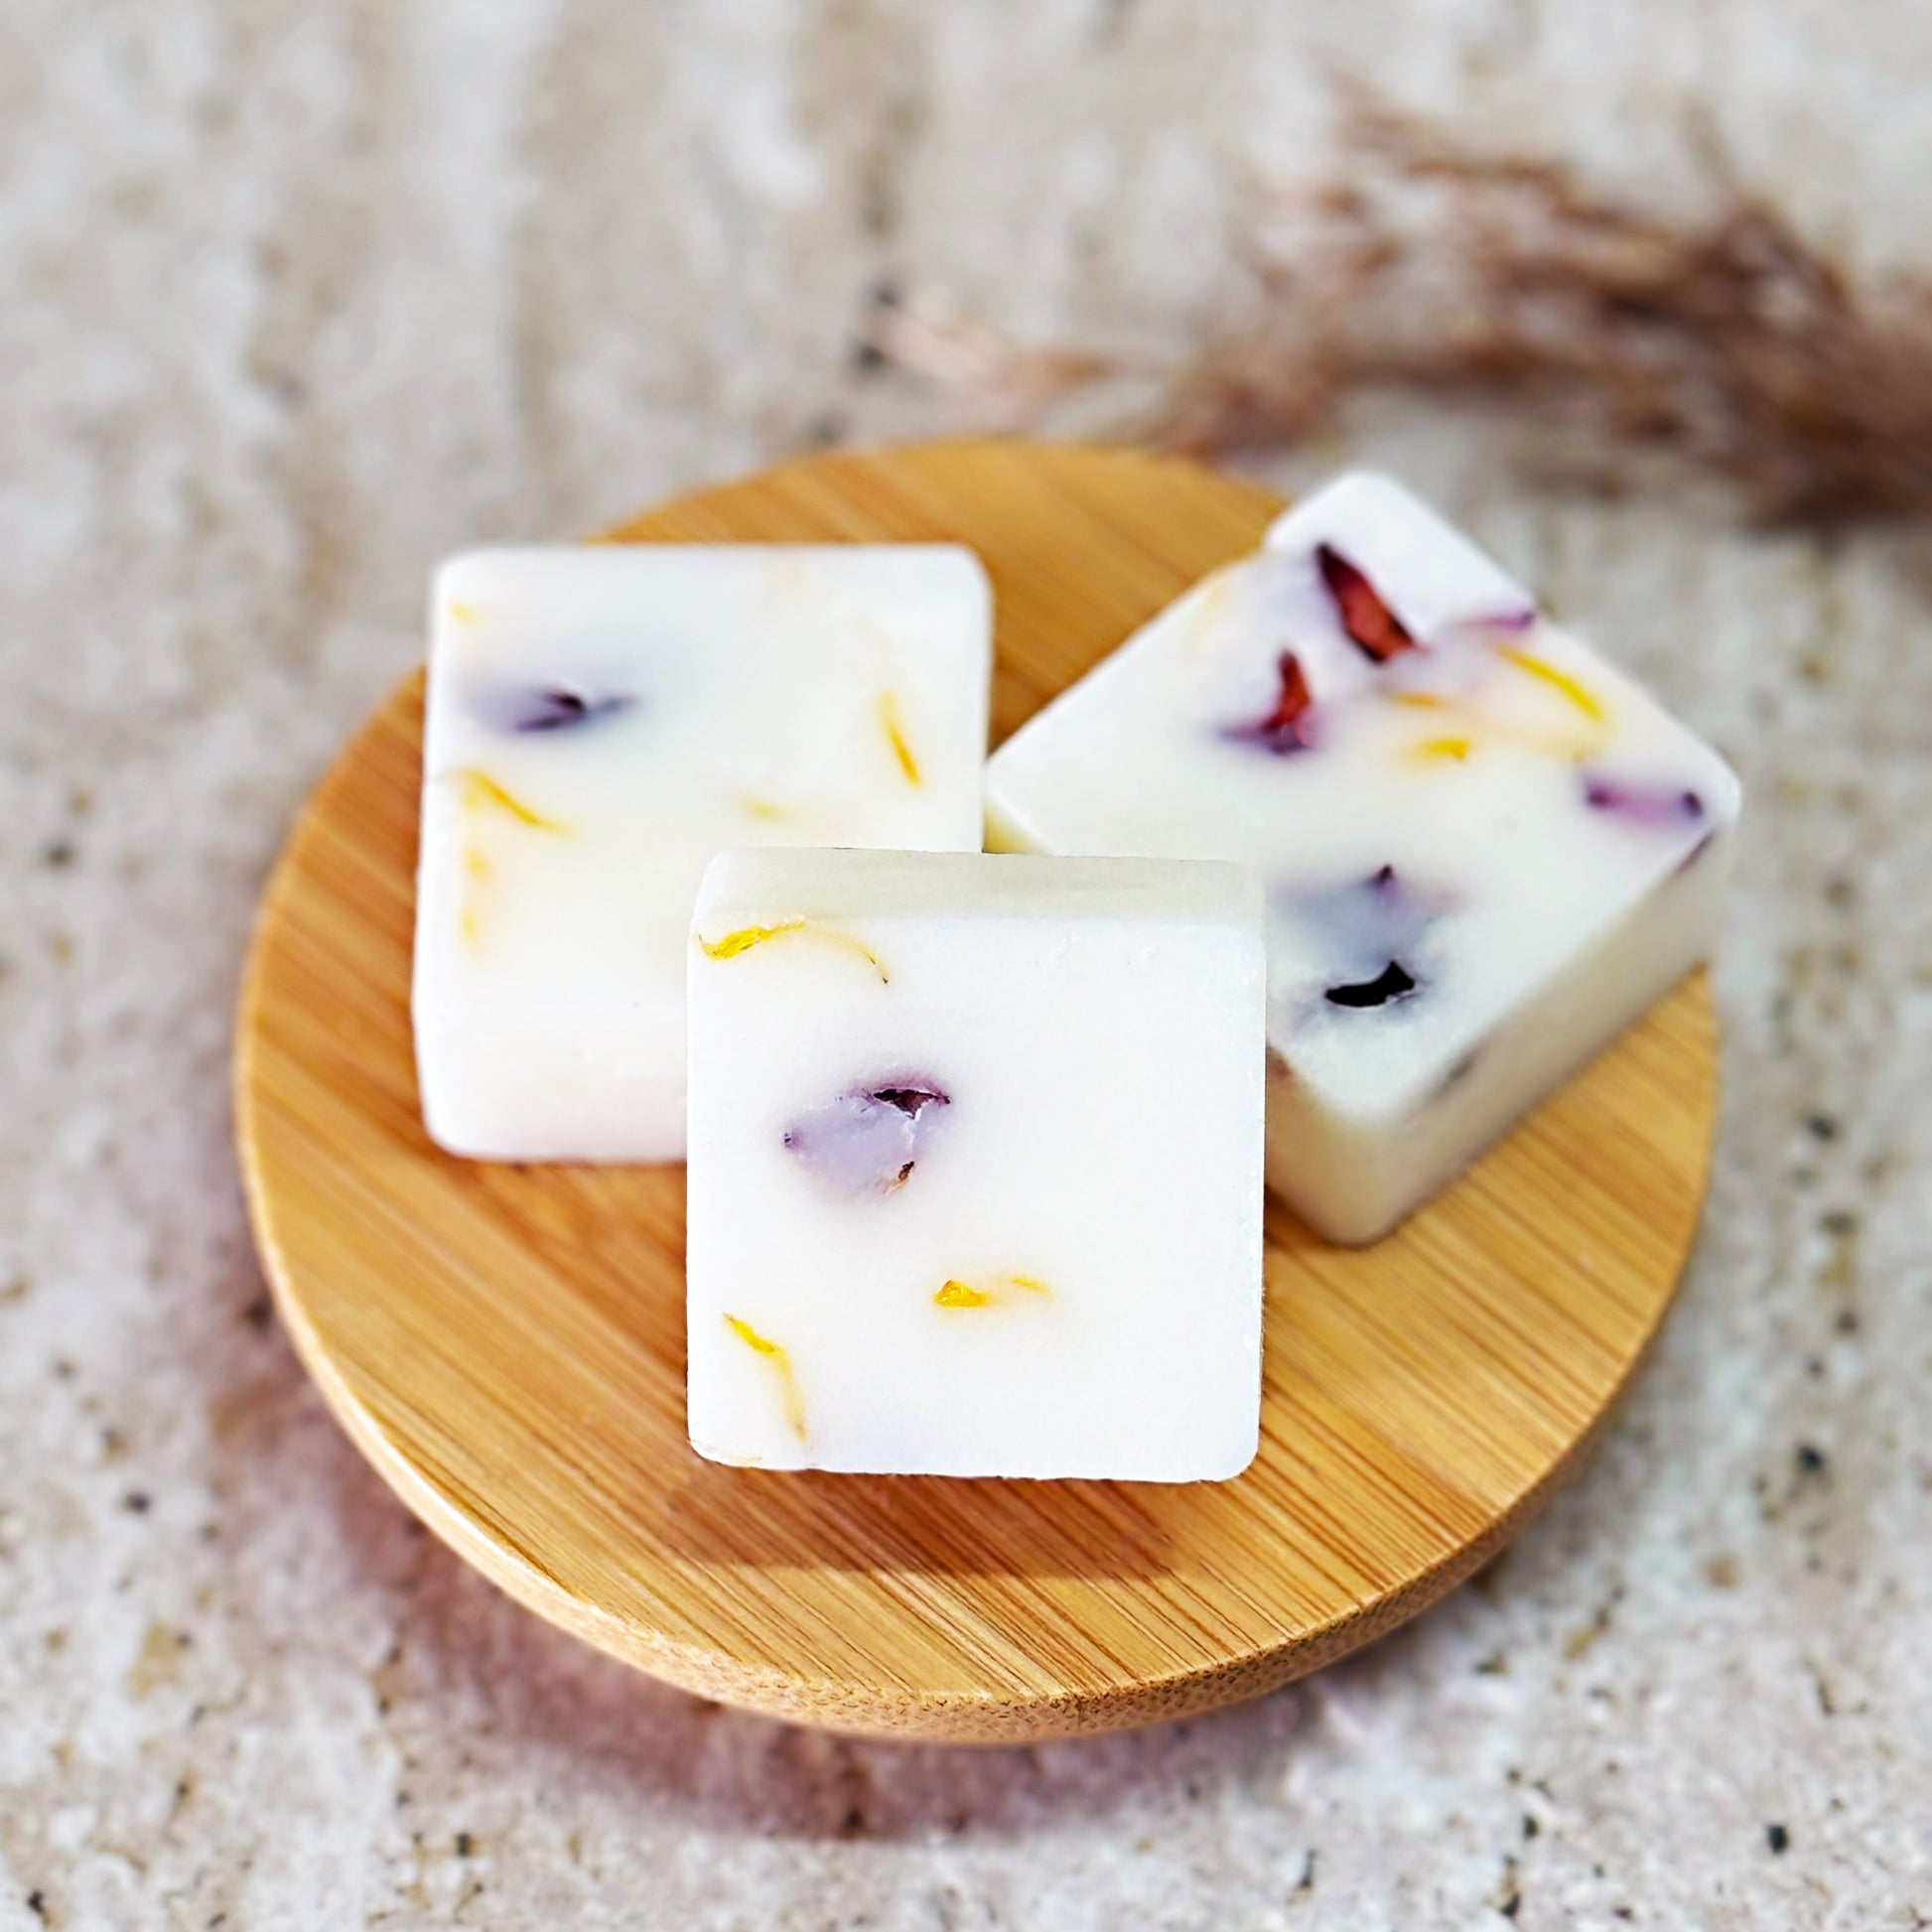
544 707
1285 729
910 1098
1391 983
745 939
1374 936
481 791
1642 804
868 1139
956 1295
895 729
1512 622
781 1361
1578 694
748 936
1371 625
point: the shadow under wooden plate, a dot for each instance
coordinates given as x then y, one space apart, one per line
507 1344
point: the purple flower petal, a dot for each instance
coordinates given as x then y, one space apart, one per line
868 1141
545 707
1375 938
1642 804
1514 623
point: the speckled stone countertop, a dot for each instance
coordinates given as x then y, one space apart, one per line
295 298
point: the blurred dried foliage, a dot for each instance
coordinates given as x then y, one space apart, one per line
1724 337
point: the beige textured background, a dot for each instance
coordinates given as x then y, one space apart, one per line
292 299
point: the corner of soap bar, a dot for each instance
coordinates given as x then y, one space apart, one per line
1427 569
456 583
975 584
1365 493
1232 894
972 568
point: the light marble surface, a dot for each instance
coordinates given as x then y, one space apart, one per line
295 298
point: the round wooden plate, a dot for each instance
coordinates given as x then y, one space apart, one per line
507 1344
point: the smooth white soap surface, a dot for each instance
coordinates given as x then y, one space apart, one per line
1486 851
976 1165
602 720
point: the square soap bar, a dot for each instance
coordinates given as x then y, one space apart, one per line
1486 851
975 1183
602 720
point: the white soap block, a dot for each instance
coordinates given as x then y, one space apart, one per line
975 1183
1486 851
602 720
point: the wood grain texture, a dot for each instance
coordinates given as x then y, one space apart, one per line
507 1344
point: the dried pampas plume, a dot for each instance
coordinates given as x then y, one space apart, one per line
1726 338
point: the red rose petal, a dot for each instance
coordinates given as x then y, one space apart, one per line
1280 730
1371 625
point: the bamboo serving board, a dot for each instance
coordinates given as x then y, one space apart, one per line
506 1343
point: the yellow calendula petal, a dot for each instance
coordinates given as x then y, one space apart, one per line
962 1295
956 1295
475 863
760 807
895 737
745 939
781 1363
1417 700
1432 748
481 792
472 925
1580 695
462 612
748 936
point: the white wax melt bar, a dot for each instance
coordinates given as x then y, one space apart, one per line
976 1149
602 720
1485 851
